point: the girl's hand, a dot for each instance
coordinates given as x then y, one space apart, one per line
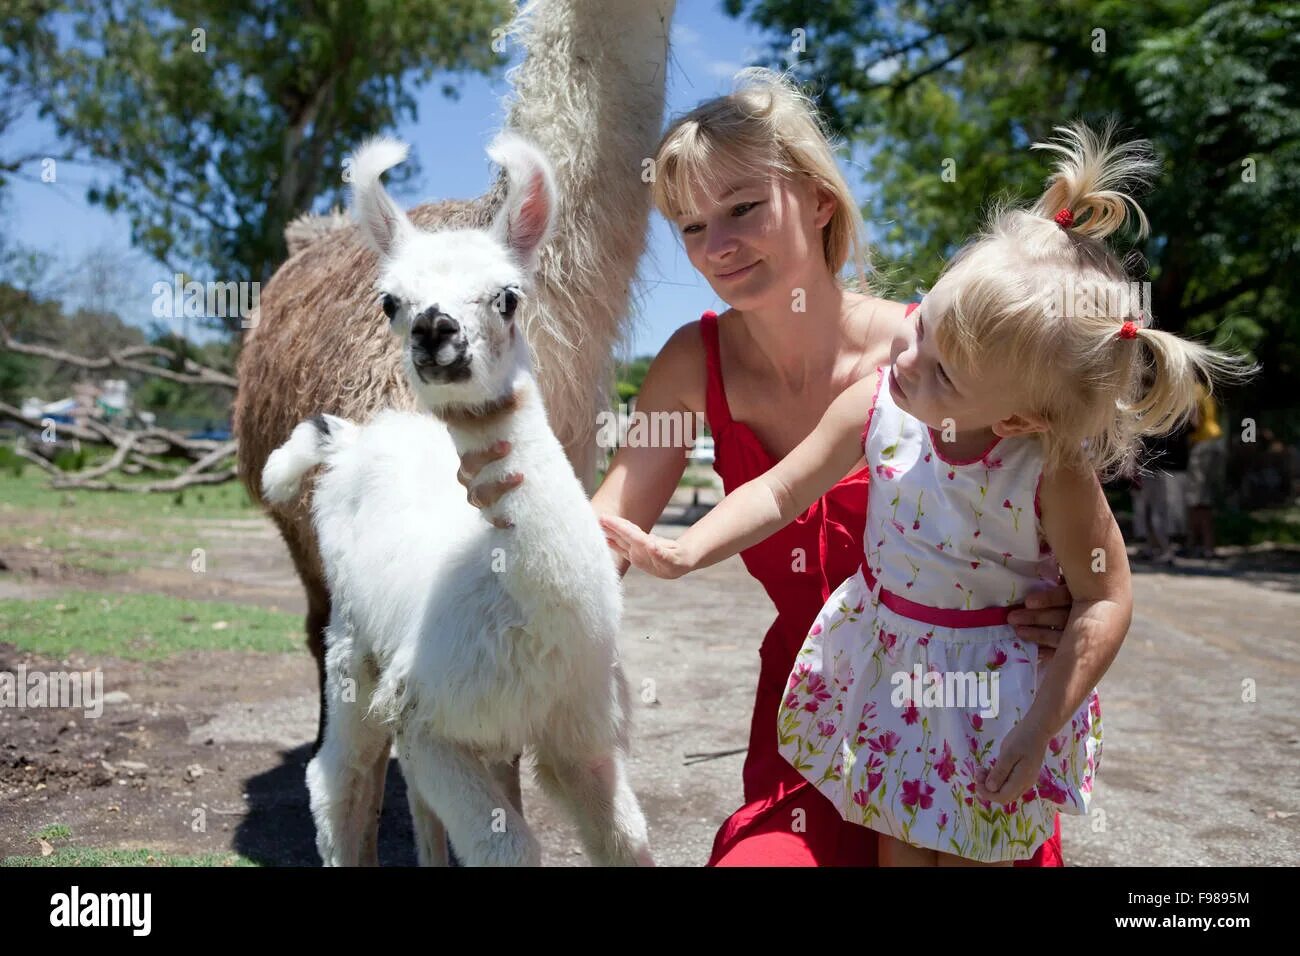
661 557
1019 762
486 494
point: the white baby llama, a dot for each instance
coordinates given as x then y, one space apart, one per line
464 642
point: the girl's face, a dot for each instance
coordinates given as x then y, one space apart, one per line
756 239
944 395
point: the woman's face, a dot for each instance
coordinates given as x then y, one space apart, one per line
758 239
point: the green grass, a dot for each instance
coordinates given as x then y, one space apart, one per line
110 532
31 492
143 626
87 856
55 831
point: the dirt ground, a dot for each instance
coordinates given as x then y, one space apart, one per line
206 751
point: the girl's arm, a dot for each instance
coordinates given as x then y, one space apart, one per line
763 505
1079 526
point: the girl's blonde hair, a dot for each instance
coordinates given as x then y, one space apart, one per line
1041 294
764 125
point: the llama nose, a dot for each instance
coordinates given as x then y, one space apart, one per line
432 326
433 329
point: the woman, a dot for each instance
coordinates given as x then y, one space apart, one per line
767 218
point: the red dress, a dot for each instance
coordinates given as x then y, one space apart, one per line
785 820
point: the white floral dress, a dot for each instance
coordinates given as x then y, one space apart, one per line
910 676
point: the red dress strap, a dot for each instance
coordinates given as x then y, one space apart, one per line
716 408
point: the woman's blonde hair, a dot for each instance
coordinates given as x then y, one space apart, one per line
764 125
1041 294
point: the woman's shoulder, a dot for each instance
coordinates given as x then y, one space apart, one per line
680 368
877 322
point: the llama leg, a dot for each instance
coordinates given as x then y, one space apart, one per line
598 795
462 791
430 834
345 779
369 852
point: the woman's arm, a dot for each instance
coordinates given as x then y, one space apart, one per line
763 505
1079 526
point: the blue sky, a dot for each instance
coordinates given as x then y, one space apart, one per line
708 48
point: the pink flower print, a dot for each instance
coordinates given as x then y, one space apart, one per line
969 801
886 743
997 659
816 629
798 674
1055 745
1029 795
1094 708
927 456
916 526
917 791
952 475
924 639
868 712
888 640
792 702
1010 808
886 471
861 797
817 687
976 534
898 525
991 464
974 744
947 766
911 715
977 722
825 728
974 565
875 772
1047 788
943 820
811 707
860 607
1006 503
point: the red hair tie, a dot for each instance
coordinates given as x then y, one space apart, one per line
1129 330
1064 219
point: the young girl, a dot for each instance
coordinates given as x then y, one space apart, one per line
912 706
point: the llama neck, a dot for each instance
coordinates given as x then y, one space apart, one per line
553 530
590 93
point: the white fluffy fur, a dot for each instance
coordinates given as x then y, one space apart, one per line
464 642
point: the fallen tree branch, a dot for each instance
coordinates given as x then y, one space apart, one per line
194 374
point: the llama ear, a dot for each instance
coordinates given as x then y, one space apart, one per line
383 224
523 223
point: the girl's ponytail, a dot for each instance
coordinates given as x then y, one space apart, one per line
1093 180
1176 367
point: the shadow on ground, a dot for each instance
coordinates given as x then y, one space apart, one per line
278 829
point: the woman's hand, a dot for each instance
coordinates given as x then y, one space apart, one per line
662 557
1043 618
486 494
1019 762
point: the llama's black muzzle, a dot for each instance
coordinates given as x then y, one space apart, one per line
439 348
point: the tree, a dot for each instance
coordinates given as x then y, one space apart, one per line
226 118
956 87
